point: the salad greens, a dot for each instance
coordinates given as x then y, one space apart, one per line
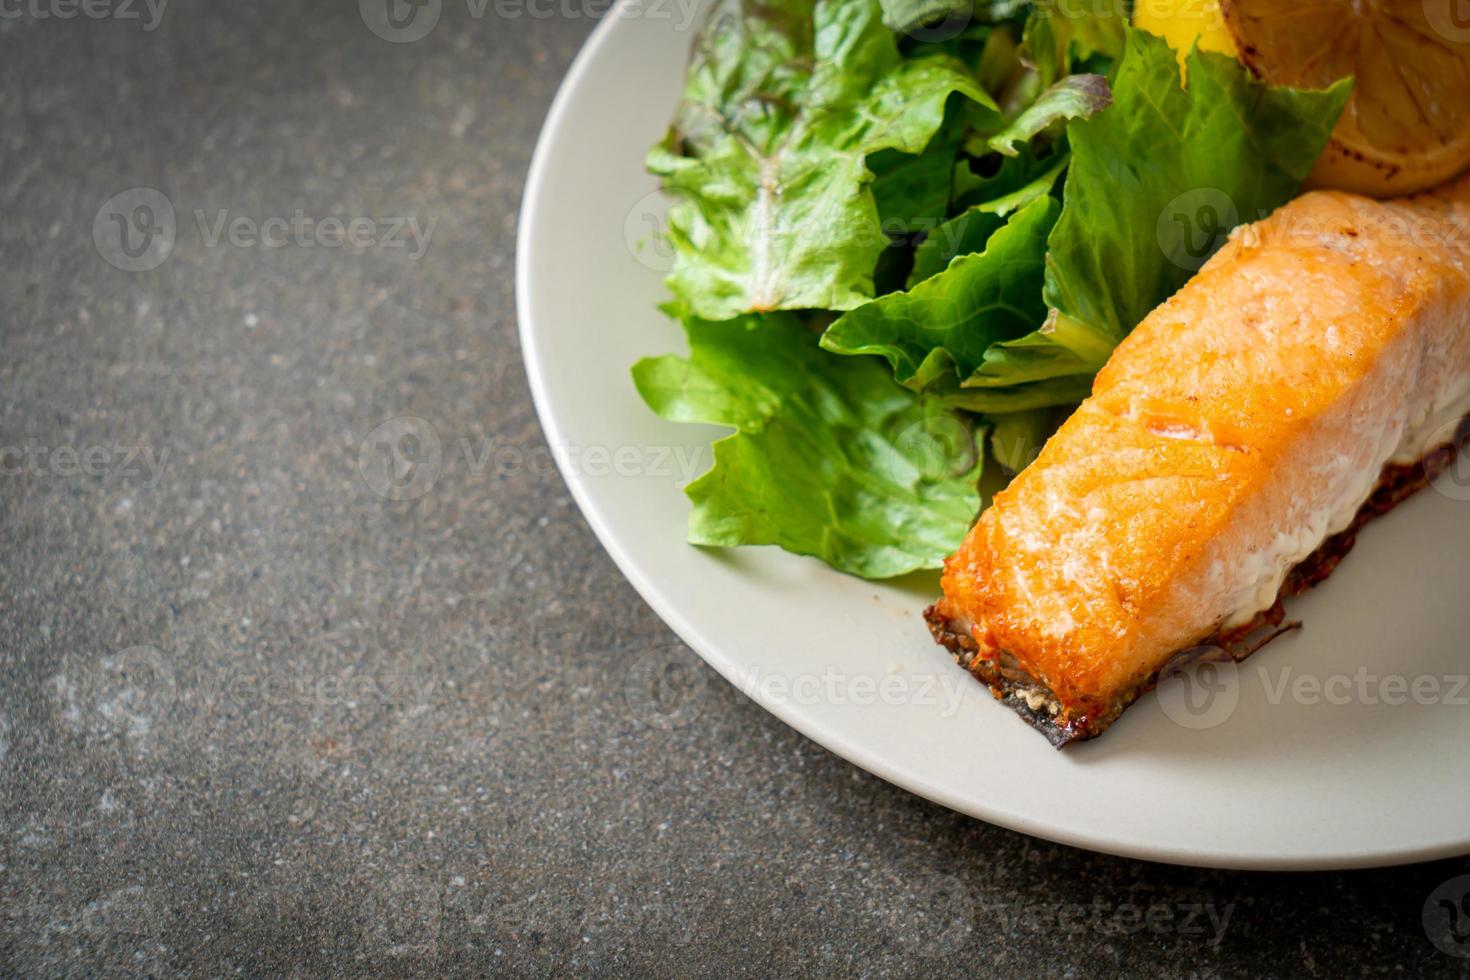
1240 141
785 102
829 457
938 331
986 196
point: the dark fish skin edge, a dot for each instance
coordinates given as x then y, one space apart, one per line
1396 483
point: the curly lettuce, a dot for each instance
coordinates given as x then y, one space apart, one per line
829 457
768 155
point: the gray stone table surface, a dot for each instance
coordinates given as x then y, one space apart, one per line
257 717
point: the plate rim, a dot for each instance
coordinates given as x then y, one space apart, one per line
527 231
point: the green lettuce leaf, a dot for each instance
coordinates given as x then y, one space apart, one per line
1074 97
830 458
1006 176
1059 36
965 233
903 16
1228 143
909 16
767 156
1008 190
1052 365
912 192
1037 186
936 334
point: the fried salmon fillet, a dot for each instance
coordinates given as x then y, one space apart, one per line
1321 355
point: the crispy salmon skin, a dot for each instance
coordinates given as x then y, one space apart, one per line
1241 425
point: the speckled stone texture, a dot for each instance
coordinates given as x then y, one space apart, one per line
258 716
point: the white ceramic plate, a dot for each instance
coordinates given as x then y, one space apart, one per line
1262 776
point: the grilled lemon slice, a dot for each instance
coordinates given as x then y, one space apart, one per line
1407 126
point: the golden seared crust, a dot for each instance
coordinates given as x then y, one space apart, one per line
1061 586
1040 705
1033 700
1237 428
